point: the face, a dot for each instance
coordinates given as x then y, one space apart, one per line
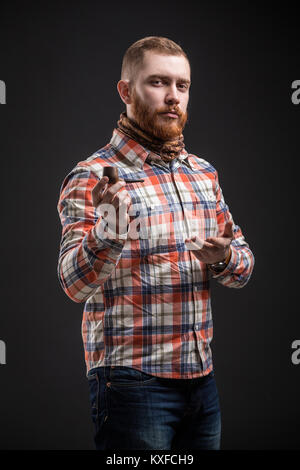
160 95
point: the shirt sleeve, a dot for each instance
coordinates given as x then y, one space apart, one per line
240 266
86 258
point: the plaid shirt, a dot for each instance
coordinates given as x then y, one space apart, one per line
147 298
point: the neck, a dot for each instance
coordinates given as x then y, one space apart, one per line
167 149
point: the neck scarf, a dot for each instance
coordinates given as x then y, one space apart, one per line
167 149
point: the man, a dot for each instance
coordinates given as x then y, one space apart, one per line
140 255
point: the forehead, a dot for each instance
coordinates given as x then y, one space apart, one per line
173 66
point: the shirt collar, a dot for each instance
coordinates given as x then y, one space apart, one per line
136 153
129 148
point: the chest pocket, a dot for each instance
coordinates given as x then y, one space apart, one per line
151 222
140 214
201 210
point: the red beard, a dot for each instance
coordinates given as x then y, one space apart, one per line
165 128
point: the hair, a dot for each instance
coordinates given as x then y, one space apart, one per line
133 57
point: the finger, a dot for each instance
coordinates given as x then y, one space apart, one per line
189 240
201 244
208 245
128 202
100 185
112 191
193 239
115 202
191 247
98 190
228 231
121 199
216 241
194 243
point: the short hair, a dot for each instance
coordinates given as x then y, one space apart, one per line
133 57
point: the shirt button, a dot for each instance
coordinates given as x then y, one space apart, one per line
197 327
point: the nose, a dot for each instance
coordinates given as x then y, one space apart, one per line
172 96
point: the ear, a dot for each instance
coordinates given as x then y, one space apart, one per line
124 91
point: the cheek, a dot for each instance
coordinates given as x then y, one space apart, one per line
153 99
184 103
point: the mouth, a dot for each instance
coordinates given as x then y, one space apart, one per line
171 115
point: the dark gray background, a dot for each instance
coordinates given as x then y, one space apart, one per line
61 62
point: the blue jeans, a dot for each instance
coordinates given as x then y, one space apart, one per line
135 410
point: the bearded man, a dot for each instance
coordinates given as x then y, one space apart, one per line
140 253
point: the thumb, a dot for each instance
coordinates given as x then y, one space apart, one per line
228 231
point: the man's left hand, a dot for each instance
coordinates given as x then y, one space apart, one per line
214 249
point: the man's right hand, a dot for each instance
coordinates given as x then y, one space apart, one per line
112 202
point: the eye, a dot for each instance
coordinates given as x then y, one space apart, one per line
182 86
156 82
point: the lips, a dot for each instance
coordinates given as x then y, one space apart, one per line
171 114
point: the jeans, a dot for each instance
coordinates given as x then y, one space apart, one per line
135 410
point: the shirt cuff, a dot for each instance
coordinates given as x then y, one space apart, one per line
231 265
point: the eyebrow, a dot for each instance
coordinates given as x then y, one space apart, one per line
167 77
